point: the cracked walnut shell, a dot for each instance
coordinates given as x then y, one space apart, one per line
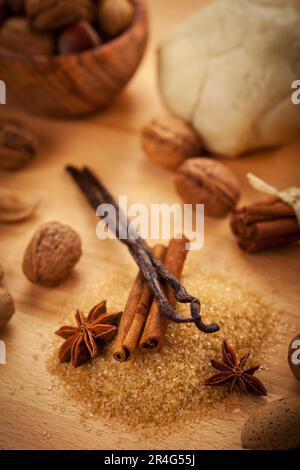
209 182
52 254
169 141
50 15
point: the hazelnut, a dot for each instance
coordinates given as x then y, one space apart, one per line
50 15
17 6
17 145
206 181
294 356
52 254
169 141
17 36
115 16
7 307
77 38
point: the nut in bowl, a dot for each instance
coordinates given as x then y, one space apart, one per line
78 83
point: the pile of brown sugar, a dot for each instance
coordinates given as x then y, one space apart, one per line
167 388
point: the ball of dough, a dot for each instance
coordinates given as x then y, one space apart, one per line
228 70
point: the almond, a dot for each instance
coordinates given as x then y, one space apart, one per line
275 426
14 206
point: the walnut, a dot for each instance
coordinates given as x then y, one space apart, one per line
17 145
50 15
209 182
7 307
52 254
17 36
115 16
169 141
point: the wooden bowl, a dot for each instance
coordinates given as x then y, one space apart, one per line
73 85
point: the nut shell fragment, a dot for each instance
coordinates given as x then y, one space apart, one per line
52 254
275 426
15 207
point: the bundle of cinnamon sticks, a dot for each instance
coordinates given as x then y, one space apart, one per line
265 224
142 327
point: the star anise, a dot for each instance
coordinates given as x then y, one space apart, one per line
232 371
84 341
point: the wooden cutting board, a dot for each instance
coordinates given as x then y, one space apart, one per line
109 143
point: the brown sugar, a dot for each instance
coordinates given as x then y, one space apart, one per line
162 389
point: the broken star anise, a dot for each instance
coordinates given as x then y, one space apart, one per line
84 341
232 371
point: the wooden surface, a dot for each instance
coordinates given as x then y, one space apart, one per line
109 143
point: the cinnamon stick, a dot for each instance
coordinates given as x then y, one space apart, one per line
265 224
133 336
134 315
154 331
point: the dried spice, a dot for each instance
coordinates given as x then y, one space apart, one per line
85 341
232 371
51 255
166 391
154 332
154 271
265 224
136 313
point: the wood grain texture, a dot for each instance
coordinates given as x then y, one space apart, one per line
110 144
73 85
